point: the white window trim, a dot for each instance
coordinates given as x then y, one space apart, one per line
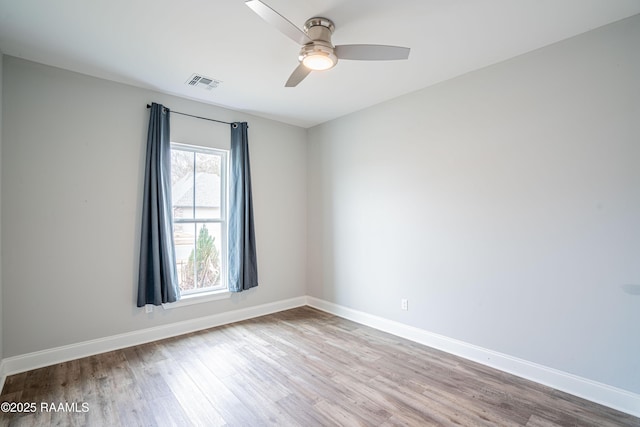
198 298
222 292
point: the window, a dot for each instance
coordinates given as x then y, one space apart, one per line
199 196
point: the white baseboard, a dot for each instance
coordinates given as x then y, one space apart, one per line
621 400
39 359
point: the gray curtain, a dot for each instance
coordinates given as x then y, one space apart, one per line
242 261
157 278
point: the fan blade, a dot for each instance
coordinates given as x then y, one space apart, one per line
280 22
297 76
371 52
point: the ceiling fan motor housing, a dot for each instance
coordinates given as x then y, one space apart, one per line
319 28
319 31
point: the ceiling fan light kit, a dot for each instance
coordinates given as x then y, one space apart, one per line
317 52
317 59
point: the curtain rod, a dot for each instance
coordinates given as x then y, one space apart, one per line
198 117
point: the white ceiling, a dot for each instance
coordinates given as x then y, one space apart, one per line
159 44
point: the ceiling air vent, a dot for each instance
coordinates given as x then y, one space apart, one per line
200 81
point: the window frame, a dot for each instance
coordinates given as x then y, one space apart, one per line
213 292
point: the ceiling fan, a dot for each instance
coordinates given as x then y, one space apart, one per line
317 52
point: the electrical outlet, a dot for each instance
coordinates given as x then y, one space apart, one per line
404 304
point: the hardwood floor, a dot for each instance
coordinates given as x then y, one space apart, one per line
300 367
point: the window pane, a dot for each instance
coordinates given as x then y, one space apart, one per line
199 219
208 200
182 164
207 257
184 237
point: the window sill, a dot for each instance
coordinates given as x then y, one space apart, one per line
198 298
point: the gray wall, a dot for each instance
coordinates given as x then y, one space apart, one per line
72 171
503 204
1 297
